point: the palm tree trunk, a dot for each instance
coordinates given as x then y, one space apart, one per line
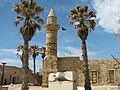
34 70
25 68
85 66
34 65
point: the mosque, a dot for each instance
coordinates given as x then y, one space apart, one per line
102 72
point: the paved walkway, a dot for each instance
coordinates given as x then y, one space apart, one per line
18 87
105 87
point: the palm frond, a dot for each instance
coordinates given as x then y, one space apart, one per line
86 8
28 11
20 51
73 11
39 20
38 26
82 20
38 9
34 50
19 18
16 23
16 10
71 23
20 47
91 24
16 5
117 33
42 50
92 14
33 4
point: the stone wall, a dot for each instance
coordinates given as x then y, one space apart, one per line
71 64
99 70
103 67
14 74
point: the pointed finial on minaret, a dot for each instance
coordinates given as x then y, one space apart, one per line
51 19
52 13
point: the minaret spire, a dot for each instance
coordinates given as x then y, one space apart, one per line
51 18
50 60
52 13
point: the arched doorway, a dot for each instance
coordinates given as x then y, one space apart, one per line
14 80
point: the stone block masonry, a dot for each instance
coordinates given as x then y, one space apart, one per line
62 81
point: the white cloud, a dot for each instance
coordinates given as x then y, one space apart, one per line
64 8
73 51
38 64
14 51
108 12
11 62
18 63
8 1
9 56
4 1
69 51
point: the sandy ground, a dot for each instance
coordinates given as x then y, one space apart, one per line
18 86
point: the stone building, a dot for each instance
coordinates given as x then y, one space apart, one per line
13 75
102 72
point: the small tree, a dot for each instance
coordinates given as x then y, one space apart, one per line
34 52
84 22
117 34
20 52
28 13
42 53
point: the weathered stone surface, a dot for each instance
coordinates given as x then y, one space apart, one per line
68 75
71 64
50 60
62 81
102 72
101 67
50 63
14 74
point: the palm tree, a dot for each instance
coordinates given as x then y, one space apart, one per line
84 22
34 52
20 52
117 33
28 13
42 53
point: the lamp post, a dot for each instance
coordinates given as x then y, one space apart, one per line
3 66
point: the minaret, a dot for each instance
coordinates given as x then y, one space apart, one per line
51 34
50 60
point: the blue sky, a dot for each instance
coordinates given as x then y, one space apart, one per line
101 43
